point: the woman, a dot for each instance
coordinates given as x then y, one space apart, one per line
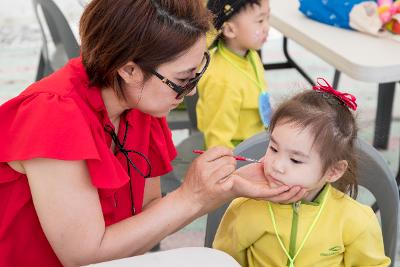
79 145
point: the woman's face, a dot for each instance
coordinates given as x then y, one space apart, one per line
158 99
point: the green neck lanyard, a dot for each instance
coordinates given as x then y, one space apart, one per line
259 83
291 260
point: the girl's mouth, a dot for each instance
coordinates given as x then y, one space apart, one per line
275 181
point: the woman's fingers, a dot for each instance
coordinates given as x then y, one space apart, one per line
259 188
216 153
223 172
203 183
250 181
212 180
255 188
252 172
216 163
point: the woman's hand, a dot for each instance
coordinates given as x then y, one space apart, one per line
205 182
212 180
249 181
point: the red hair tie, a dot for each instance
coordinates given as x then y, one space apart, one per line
348 99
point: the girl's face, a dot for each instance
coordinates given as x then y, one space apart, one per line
293 159
155 97
252 25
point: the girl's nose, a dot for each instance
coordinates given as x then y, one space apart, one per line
278 166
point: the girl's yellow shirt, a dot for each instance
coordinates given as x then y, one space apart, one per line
347 233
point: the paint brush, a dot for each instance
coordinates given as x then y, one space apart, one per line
236 157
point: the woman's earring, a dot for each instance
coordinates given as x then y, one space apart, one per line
140 95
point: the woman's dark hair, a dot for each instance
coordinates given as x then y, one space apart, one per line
333 126
147 32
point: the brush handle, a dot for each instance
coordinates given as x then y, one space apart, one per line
196 151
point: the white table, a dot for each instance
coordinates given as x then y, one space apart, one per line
358 55
181 257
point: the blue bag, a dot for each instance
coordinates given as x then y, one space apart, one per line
264 108
332 12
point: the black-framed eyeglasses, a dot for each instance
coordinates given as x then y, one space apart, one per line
182 91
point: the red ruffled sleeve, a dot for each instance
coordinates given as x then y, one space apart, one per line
162 150
49 125
62 117
44 125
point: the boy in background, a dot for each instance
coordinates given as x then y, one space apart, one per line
229 92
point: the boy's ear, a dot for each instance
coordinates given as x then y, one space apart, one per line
130 73
336 171
228 30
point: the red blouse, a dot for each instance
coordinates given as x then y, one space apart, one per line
62 117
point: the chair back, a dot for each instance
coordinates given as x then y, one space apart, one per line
189 120
373 174
195 140
190 103
61 34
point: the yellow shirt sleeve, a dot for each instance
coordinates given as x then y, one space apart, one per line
367 248
240 228
227 238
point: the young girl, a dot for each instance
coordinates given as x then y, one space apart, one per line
312 145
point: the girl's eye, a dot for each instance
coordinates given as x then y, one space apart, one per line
273 149
296 161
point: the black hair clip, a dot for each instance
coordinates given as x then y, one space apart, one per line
228 9
332 100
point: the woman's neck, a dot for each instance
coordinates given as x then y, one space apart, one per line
114 106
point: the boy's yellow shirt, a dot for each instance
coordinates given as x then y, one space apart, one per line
347 233
227 109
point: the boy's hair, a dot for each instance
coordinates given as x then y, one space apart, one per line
147 32
334 128
223 10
